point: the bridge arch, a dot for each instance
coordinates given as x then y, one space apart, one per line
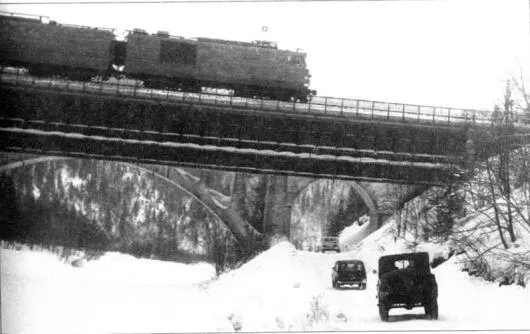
361 191
191 192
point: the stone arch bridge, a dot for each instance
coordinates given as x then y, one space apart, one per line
281 193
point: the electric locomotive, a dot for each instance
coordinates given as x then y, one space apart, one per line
49 48
249 69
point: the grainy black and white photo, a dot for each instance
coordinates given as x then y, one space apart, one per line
224 166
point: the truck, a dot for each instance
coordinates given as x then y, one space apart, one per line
405 281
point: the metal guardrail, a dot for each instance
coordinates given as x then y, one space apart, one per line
25 16
318 106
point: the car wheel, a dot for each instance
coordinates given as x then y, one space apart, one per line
363 286
431 309
383 311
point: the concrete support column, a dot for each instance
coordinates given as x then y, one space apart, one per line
239 194
278 204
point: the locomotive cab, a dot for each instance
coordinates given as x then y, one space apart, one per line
119 53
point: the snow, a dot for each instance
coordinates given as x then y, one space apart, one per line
36 192
481 231
434 250
117 293
282 289
127 176
68 179
354 233
231 149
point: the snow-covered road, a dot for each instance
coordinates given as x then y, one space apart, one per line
280 290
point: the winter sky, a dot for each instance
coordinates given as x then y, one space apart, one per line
455 53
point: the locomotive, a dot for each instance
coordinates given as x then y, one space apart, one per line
248 69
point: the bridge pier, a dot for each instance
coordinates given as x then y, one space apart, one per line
278 205
381 199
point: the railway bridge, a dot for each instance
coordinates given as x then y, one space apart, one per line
325 138
356 140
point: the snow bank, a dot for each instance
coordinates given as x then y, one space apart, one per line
115 294
119 268
115 268
472 303
280 289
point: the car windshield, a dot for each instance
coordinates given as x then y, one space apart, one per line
351 266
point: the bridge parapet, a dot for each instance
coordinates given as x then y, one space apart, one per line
318 106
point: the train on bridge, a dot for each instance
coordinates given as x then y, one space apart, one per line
248 69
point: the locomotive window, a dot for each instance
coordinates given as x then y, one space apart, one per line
177 52
296 60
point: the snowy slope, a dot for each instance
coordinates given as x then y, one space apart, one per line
479 236
281 289
118 293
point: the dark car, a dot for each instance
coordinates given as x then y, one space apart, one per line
330 244
405 280
348 272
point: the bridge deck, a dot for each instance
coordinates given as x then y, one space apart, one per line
332 138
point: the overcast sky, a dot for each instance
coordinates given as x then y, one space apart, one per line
455 53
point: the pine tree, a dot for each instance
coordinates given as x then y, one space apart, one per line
10 229
449 206
338 221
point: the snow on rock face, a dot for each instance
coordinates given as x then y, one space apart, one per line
377 244
435 250
491 259
355 233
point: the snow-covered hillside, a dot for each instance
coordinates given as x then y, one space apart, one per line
282 289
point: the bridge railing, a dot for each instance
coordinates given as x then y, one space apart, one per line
318 105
